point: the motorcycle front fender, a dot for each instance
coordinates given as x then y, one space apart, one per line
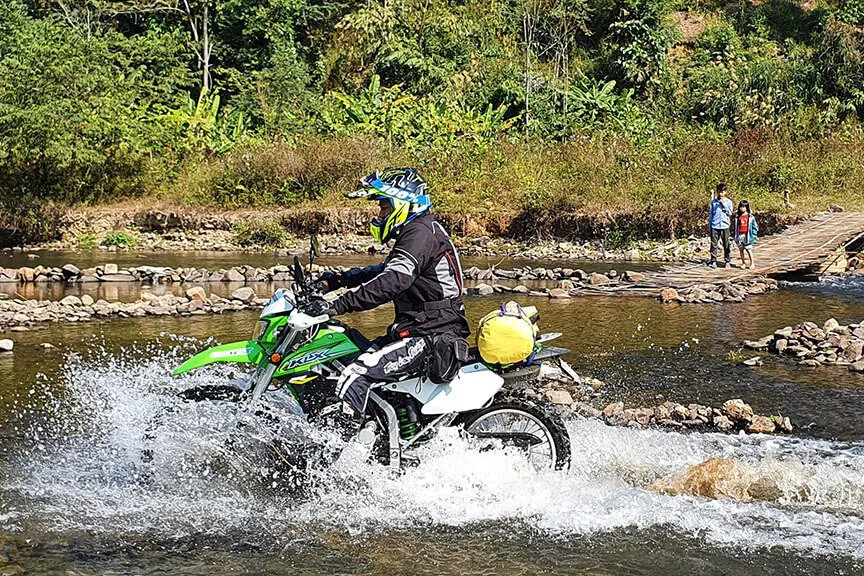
244 352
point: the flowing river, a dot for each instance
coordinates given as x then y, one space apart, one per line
74 500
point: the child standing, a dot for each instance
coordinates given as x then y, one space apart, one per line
745 233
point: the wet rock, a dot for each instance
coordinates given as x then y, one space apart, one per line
783 424
71 301
559 397
597 279
613 409
196 293
70 271
6 345
46 345
244 294
119 277
668 295
233 276
810 363
586 410
738 410
761 425
761 344
723 423
784 333
483 289
755 361
780 345
631 276
27 274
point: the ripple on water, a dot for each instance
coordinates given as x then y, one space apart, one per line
82 472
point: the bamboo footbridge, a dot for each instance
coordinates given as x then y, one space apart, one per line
806 247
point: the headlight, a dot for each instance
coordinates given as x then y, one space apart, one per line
260 328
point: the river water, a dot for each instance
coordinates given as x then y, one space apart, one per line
72 497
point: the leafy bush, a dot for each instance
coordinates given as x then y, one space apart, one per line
87 241
120 239
266 233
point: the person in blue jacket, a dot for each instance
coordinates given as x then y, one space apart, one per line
746 229
719 222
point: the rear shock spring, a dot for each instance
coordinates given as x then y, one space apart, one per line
408 424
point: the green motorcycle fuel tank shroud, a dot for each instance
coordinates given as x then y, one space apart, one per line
327 345
246 351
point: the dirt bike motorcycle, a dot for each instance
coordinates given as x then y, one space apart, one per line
298 358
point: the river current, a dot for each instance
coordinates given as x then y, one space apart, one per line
75 498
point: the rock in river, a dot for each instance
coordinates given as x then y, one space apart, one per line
6 345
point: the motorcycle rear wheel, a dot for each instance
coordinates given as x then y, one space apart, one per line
522 423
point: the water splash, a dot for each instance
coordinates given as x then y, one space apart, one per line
82 470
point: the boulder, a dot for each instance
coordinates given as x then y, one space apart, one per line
784 333
6 345
761 344
859 332
631 276
233 275
110 269
196 293
738 410
244 294
761 425
565 285
71 301
586 410
70 271
598 279
87 300
613 409
853 350
780 345
559 397
723 423
483 289
559 293
669 295
857 366
27 274
830 325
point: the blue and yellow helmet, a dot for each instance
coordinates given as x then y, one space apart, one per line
404 188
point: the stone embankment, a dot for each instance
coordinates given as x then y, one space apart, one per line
576 282
570 281
810 345
147 274
20 315
579 399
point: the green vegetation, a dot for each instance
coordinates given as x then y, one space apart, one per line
525 115
120 239
87 241
267 233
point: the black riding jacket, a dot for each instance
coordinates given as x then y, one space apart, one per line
422 276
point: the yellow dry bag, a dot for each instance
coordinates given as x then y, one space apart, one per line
508 335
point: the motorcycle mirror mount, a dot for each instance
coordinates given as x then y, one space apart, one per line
298 271
314 251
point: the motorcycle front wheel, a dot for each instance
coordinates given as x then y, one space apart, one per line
534 429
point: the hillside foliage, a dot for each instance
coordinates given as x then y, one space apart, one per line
506 105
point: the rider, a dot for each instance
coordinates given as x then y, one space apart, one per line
422 276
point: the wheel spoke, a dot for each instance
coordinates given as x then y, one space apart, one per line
519 423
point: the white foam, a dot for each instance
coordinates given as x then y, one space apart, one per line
87 476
